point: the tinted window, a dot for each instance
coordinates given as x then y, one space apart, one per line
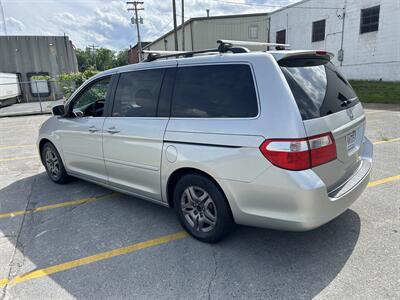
218 91
137 93
318 88
91 101
369 19
318 31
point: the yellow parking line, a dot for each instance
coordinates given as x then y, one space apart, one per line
16 146
52 206
91 199
18 158
93 258
387 141
115 252
383 180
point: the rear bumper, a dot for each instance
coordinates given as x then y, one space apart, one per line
296 201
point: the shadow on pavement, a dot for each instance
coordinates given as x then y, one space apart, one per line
251 263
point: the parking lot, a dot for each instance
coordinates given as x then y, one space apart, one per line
83 241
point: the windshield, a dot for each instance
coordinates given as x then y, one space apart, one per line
318 88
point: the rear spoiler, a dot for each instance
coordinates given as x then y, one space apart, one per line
286 55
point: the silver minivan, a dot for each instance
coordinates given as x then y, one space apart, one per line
270 139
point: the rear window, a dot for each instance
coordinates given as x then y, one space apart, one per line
318 87
217 91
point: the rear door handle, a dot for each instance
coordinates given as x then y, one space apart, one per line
93 129
113 130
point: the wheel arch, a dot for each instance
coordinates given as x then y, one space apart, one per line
179 173
42 142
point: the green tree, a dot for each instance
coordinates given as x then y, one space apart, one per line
85 59
121 58
102 59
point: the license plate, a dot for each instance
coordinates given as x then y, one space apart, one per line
351 140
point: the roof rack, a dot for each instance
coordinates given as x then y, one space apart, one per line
223 47
248 43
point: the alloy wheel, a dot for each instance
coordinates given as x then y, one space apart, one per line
198 209
52 163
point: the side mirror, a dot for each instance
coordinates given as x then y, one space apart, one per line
58 110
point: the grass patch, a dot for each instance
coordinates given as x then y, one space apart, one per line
377 91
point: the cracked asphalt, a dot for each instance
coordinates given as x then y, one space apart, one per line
356 256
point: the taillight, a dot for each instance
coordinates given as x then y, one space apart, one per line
300 154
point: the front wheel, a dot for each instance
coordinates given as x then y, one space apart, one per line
54 166
202 209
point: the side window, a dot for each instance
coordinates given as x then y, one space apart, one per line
137 93
217 91
91 101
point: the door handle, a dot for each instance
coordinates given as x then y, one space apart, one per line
112 130
93 129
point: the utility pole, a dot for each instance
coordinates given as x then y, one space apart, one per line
175 32
93 47
4 18
183 21
137 5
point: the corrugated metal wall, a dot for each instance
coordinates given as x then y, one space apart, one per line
203 33
29 54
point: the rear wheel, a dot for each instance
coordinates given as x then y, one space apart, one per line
202 209
53 164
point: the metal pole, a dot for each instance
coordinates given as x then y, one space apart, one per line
4 18
40 99
183 28
175 33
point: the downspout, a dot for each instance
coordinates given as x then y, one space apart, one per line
341 42
191 35
269 31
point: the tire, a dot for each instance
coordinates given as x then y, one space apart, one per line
202 208
54 166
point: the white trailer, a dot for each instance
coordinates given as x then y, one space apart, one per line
10 91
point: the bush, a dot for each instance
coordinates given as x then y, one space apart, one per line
69 82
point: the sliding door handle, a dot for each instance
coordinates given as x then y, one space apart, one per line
113 130
93 129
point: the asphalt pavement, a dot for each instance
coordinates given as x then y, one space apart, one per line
82 241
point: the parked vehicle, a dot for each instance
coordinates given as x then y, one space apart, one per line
271 139
10 91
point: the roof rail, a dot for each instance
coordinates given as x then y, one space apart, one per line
248 43
223 47
163 52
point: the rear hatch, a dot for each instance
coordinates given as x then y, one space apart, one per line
327 103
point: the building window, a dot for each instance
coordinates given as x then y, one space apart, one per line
38 88
281 36
318 31
369 19
253 32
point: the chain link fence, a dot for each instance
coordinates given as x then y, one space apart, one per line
30 97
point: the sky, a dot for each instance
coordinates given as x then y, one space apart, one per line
106 23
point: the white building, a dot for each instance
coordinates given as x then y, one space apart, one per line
364 35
